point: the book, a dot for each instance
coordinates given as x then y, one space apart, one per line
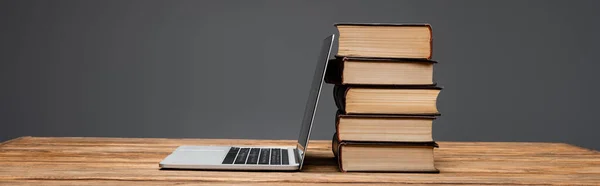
414 157
390 128
385 40
412 100
379 71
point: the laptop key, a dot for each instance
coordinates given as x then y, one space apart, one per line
253 156
265 154
284 157
230 155
242 155
275 156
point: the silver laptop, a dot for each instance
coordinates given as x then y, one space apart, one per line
257 158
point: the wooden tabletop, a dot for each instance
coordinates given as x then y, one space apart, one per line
120 161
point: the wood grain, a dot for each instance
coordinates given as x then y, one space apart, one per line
129 161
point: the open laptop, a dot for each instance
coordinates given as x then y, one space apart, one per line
257 158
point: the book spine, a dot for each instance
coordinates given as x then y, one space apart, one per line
339 97
336 149
334 145
338 115
333 74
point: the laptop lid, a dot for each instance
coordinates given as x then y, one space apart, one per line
313 97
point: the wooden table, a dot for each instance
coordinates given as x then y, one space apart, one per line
119 161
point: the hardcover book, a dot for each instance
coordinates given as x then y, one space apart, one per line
416 157
411 100
385 40
379 71
390 128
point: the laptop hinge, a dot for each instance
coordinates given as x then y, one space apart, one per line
297 155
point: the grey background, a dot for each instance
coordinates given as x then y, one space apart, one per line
512 70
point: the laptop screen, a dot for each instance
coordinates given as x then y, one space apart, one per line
313 95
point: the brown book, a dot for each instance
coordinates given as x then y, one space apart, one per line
379 71
410 100
385 40
391 128
414 157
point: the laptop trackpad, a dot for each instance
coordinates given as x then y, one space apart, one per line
197 155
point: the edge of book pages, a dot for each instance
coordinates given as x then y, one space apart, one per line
382 24
397 25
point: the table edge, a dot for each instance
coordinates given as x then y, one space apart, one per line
124 138
13 140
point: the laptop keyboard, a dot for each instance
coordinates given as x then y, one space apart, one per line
252 156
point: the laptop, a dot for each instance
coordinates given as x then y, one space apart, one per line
277 158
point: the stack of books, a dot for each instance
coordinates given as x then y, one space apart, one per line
386 98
